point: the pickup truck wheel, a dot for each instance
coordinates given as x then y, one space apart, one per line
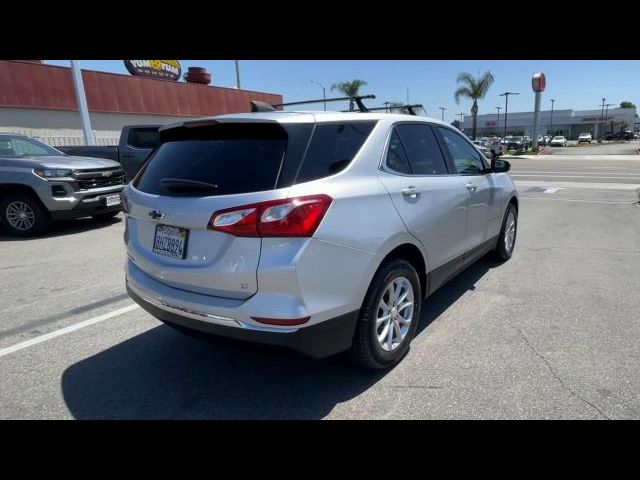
389 316
22 215
507 237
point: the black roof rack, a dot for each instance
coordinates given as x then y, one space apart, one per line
409 109
258 106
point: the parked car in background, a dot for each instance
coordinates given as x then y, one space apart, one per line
516 143
321 232
628 135
526 140
559 141
136 143
39 184
585 138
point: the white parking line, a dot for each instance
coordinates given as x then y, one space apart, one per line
63 331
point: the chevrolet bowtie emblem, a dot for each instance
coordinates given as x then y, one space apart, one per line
156 215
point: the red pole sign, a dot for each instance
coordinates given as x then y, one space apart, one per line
538 82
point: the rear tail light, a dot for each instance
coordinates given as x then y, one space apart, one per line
290 217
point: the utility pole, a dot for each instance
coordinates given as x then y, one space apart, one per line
408 95
498 119
606 114
238 74
506 108
461 120
81 99
552 102
386 104
601 118
443 109
324 93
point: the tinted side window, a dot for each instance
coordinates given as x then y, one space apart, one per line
332 148
422 149
466 158
396 157
143 137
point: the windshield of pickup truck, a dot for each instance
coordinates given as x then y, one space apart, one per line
21 146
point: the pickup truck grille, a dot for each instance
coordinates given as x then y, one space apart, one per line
99 178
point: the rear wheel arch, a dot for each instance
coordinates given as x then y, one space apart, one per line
412 254
514 201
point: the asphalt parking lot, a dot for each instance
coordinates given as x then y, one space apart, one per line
553 333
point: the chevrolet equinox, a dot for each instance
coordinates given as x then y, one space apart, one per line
317 231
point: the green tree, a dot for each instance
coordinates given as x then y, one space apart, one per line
456 123
627 104
349 89
474 88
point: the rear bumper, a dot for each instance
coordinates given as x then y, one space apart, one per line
317 341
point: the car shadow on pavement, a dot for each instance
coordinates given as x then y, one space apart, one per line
66 227
162 374
449 293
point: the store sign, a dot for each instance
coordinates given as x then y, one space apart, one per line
538 82
490 123
160 69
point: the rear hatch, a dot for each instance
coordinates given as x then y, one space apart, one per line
197 170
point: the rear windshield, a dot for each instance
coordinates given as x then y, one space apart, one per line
233 158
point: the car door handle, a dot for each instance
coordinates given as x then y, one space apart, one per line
471 187
410 192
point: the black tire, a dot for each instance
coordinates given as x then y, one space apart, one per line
106 216
366 350
501 251
41 218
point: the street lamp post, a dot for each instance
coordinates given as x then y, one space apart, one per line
506 107
324 93
443 109
552 102
498 118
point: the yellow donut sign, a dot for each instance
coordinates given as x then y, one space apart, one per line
160 69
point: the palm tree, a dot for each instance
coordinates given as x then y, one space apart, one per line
475 89
349 89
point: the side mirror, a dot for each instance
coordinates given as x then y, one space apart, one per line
500 166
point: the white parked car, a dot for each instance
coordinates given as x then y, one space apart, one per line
559 141
585 137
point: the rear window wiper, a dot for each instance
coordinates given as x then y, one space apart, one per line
185 184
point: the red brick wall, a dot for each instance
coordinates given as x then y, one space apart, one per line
32 85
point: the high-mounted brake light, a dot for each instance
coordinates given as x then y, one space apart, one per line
289 217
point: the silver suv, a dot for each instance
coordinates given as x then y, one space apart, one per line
321 232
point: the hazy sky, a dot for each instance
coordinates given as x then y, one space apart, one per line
578 85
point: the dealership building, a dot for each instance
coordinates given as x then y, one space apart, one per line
570 123
39 100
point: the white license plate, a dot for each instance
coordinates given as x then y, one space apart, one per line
170 241
113 200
